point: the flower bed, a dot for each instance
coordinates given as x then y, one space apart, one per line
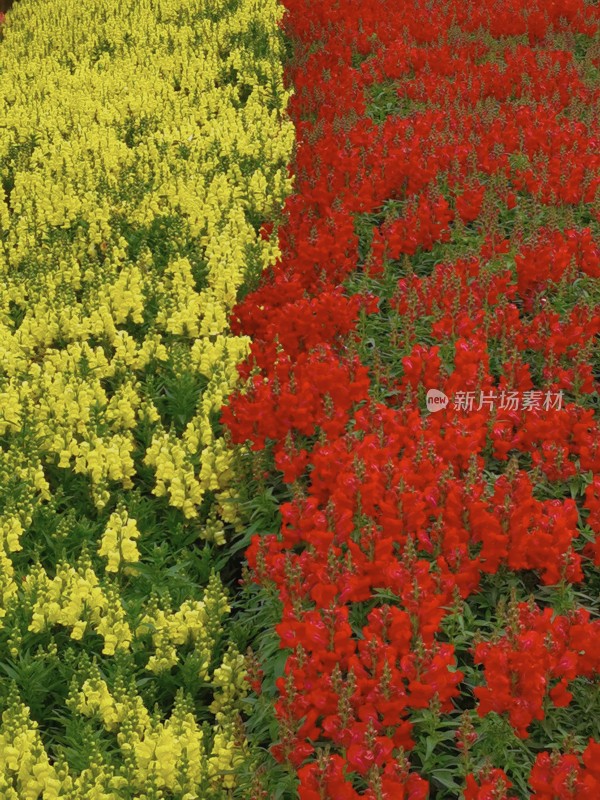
142 145
435 570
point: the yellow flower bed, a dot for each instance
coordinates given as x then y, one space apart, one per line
142 144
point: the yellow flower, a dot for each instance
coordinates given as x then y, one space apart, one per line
118 543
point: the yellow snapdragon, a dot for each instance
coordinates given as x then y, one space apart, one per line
119 542
75 599
196 622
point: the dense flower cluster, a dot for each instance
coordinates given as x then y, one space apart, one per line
538 651
554 775
447 213
142 145
127 233
567 776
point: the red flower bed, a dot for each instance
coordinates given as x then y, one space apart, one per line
463 228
